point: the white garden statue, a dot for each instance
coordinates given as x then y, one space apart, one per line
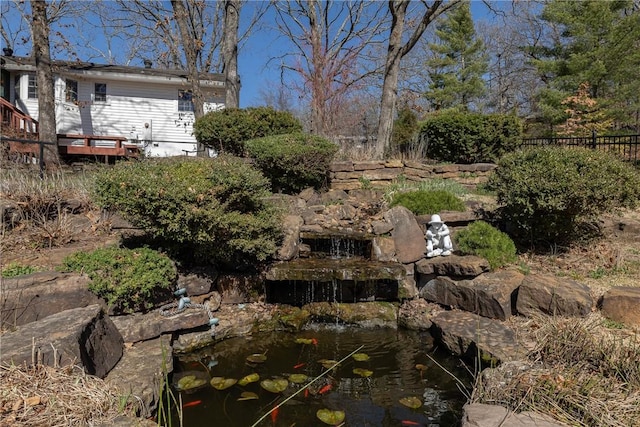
438 239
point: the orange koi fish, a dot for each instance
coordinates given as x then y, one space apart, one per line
192 403
299 365
306 392
314 341
274 415
409 423
325 389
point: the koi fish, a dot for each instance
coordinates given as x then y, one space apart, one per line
274 415
299 365
325 389
306 392
193 403
314 341
409 423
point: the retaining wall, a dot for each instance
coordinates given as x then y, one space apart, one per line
351 175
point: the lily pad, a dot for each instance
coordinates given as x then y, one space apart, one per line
363 372
327 363
412 402
251 378
360 357
247 395
304 341
275 386
190 382
298 378
257 358
221 383
327 416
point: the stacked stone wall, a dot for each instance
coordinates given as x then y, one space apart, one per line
352 175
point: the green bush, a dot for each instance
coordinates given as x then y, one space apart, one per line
481 239
15 269
405 128
422 202
204 209
227 130
470 137
128 279
293 162
548 193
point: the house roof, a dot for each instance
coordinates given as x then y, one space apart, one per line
112 72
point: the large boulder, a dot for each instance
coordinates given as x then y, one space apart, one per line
469 335
483 415
363 314
141 372
291 231
410 243
84 336
555 296
416 314
140 327
467 267
490 295
622 304
35 296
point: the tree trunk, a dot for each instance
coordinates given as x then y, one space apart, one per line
44 77
230 53
191 48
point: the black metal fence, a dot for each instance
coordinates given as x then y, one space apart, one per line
626 146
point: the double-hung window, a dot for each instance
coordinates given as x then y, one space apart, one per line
100 92
185 101
71 90
33 87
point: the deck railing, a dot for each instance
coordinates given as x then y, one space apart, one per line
20 124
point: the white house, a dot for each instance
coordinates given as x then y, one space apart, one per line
148 106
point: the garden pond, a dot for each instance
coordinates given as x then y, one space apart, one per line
388 378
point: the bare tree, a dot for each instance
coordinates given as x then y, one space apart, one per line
398 48
230 53
331 40
44 78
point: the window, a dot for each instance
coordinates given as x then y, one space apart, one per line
185 100
33 87
100 92
16 86
71 91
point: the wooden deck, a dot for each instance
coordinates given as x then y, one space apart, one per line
96 145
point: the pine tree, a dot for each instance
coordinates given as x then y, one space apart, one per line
458 63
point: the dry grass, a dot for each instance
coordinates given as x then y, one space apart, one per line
581 372
46 396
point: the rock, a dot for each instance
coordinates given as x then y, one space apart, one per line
407 288
489 295
381 227
239 288
140 327
453 266
416 314
407 235
451 218
553 296
363 314
328 198
291 230
141 372
84 336
35 296
383 248
469 335
482 415
199 280
622 304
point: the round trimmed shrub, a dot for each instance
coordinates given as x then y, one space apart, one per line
203 210
548 193
424 202
227 130
128 279
482 239
293 162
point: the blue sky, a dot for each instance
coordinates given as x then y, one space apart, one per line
254 55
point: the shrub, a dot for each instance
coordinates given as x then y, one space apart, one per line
293 162
203 209
128 279
470 137
227 130
405 130
15 269
422 202
547 193
486 241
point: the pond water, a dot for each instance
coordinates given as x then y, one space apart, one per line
398 368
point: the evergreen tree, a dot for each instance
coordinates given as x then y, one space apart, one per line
597 46
458 63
